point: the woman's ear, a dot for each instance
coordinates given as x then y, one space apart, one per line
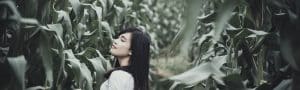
130 53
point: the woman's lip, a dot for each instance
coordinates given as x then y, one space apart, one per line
113 46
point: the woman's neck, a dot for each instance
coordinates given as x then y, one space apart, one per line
124 61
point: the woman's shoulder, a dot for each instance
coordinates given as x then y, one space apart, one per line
118 80
120 74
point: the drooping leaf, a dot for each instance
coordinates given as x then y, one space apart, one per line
224 14
98 64
46 57
107 28
56 28
74 64
87 83
185 34
15 16
201 72
18 65
77 8
284 85
65 20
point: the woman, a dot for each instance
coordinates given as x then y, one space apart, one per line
131 49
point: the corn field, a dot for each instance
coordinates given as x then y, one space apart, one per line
196 44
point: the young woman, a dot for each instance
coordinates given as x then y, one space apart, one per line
131 49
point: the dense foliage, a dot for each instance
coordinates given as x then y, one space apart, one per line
242 44
232 44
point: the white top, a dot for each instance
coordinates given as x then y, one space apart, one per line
118 80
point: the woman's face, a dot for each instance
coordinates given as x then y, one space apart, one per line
121 45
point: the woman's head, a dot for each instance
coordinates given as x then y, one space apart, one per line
121 45
134 43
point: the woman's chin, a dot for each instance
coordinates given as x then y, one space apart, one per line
112 52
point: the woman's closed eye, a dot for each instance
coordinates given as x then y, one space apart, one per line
123 39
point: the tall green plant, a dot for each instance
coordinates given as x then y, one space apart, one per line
64 44
247 33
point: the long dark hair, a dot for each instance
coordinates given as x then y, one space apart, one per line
139 60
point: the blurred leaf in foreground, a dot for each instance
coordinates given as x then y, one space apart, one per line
18 64
202 72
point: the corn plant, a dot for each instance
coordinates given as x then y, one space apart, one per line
232 44
239 45
64 44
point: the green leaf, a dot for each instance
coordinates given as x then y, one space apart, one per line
202 72
15 16
97 9
81 72
100 71
127 3
77 8
65 20
224 14
208 18
257 33
104 7
99 64
107 28
46 57
110 3
29 21
242 33
75 64
36 88
18 64
186 33
87 83
284 85
118 10
57 28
